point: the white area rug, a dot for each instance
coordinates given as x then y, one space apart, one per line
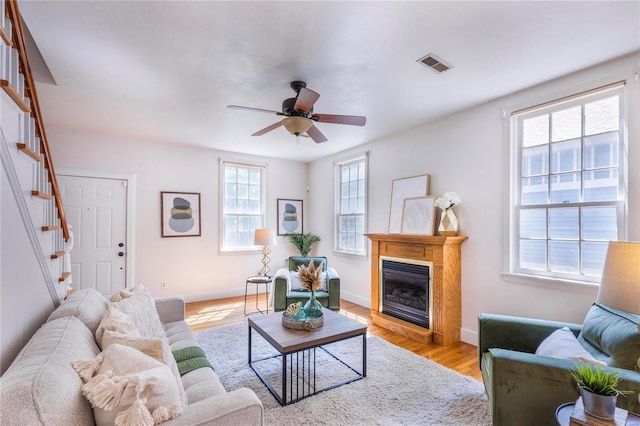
401 388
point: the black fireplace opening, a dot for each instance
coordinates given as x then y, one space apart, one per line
405 291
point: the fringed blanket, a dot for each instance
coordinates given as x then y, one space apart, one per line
190 358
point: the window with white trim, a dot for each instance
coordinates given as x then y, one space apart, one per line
243 188
568 197
351 206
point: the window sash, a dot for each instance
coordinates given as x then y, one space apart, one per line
351 178
565 168
242 189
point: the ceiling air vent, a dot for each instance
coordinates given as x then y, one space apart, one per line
431 61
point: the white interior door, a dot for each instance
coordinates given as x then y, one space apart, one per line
96 208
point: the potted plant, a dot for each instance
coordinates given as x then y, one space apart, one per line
303 242
599 390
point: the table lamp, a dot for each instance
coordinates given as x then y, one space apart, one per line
265 238
620 284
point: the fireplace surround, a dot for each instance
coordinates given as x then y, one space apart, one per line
444 254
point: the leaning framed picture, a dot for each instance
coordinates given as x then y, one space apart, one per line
415 186
289 216
418 215
180 214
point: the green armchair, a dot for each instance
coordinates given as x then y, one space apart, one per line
525 389
285 293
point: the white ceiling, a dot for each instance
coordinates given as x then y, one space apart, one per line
165 71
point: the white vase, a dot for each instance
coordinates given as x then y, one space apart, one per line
448 223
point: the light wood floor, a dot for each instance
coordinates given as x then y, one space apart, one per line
460 357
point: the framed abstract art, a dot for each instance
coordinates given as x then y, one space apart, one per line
180 214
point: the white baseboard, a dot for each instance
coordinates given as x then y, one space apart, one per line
354 298
469 336
213 294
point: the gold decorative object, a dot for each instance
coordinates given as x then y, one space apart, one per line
292 309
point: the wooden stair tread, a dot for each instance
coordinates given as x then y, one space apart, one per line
64 277
42 195
13 94
50 228
31 153
5 37
57 255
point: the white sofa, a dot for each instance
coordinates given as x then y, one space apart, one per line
42 388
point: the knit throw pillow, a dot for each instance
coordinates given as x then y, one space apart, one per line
127 387
141 307
118 321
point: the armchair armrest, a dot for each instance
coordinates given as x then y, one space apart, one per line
515 333
526 389
170 308
333 286
280 291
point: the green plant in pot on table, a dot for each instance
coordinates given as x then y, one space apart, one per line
599 390
303 242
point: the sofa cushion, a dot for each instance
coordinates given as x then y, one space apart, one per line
564 345
41 386
201 384
88 305
612 336
130 388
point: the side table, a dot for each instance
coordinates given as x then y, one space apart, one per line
563 415
257 280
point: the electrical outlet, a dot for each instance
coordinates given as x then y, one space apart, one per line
164 284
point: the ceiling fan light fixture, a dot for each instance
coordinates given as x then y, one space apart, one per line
297 125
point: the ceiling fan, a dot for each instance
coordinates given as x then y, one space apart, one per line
299 116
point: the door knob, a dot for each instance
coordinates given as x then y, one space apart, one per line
121 254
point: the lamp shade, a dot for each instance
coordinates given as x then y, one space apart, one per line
264 237
620 284
296 125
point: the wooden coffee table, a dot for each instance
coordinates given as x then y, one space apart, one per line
297 350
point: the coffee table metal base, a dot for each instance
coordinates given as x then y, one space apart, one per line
299 371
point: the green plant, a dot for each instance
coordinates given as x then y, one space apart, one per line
597 381
303 242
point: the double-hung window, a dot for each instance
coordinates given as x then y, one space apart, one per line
351 205
568 197
243 210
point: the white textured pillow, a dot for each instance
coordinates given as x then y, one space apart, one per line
127 388
155 347
116 320
141 307
121 294
563 344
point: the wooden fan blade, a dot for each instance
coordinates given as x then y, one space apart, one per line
244 108
305 100
268 129
353 120
316 135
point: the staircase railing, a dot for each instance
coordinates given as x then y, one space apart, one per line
26 97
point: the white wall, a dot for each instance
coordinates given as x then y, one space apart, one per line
468 153
191 266
25 302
